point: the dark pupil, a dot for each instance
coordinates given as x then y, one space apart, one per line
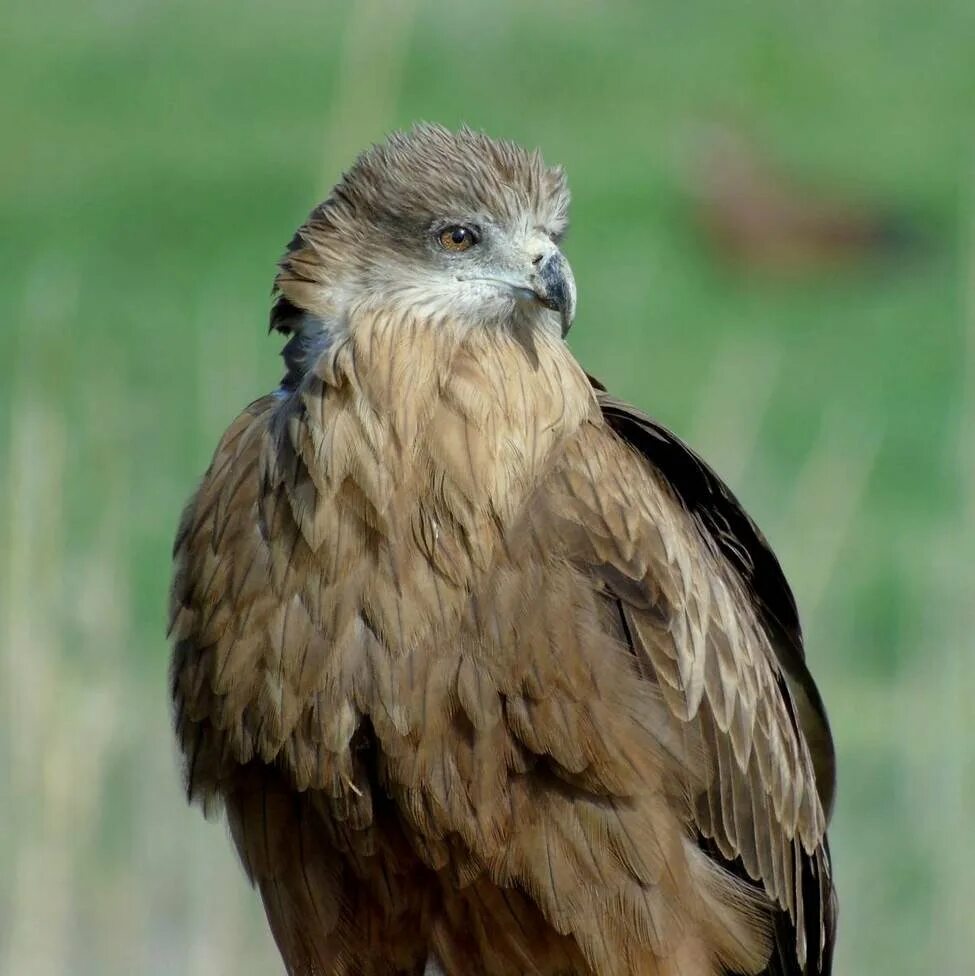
459 235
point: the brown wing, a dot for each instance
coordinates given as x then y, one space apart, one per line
742 543
697 595
256 728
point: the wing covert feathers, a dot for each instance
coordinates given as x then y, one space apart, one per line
473 681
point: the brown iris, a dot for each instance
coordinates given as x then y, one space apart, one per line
456 237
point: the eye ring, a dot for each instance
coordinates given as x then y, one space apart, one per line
458 237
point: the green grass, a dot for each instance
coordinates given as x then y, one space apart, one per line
156 159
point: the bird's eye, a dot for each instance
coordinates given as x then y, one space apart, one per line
456 237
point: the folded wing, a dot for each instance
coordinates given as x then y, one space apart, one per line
692 588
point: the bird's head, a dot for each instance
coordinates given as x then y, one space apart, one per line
445 225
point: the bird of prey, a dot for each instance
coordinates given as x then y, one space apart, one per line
490 673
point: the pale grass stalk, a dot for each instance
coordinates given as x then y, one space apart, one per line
727 423
950 721
930 716
62 718
36 929
828 492
374 50
60 722
63 671
935 730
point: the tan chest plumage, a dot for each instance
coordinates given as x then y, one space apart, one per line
426 443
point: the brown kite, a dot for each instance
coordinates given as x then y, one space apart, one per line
492 675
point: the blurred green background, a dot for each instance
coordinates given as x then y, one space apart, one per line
157 156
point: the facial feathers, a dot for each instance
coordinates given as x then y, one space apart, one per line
380 212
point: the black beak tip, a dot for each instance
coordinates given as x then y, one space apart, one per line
555 290
562 307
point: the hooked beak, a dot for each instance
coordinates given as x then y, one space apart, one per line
550 283
554 286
